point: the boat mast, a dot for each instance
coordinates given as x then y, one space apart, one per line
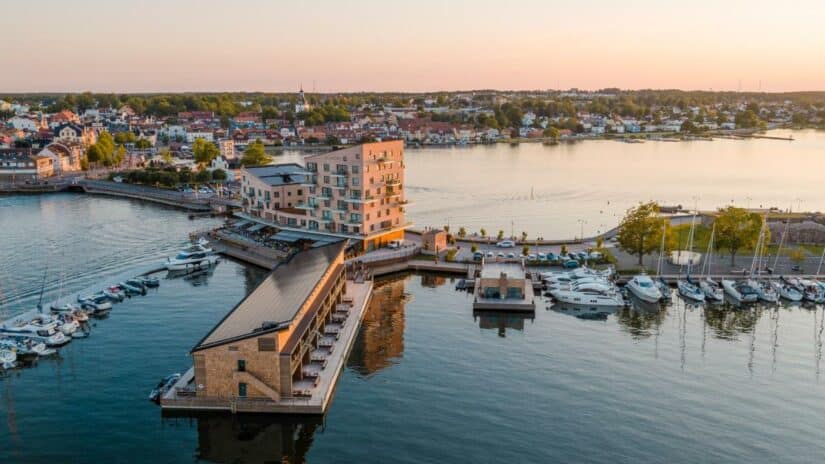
42 290
661 251
781 242
690 243
706 262
820 262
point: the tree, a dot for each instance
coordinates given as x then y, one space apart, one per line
736 228
552 132
525 250
219 175
641 230
473 247
462 232
204 151
500 235
524 236
599 243
166 156
143 144
255 155
483 232
125 137
203 176
563 250
94 154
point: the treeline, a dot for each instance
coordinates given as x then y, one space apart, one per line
169 177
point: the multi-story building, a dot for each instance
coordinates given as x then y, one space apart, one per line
355 193
20 165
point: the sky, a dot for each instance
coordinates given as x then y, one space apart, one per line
419 45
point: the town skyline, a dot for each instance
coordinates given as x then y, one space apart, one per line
426 47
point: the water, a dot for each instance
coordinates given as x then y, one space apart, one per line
427 381
547 190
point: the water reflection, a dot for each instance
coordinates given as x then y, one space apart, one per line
227 438
729 324
502 320
584 312
380 341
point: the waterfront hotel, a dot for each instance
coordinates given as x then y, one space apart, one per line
355 193
281 349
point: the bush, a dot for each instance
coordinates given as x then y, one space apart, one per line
219 175
451 254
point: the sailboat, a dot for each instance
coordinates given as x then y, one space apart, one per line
663 286
788 290
687 287
764 290
712 290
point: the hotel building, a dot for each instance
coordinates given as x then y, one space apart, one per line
354 193
270 353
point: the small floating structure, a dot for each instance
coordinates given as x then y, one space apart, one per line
282 348
503 287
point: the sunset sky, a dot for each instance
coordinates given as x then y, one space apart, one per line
421 45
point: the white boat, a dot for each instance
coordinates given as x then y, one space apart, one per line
687 287
193 258
589 294
739 291
47 334
643 287
8 358
764 291
163 386
712 290
690 290
27 347
786 291
811 290
578 273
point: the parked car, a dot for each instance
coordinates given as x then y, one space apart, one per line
596 255
571 264
531 257
542 257
490 254
506 244
395 244
511 255
478 256
552 257
582 255
500 254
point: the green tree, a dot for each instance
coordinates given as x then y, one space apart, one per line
500 235
483 232
125 137
203 176
737 228
166 156
204 151
94 154
552 132
524 236
525 250
641 230
143 144
219 175
255 155
462 232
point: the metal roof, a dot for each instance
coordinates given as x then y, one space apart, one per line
294 236
280 174
277 299
256 228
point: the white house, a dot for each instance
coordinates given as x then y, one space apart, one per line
174 132
192 136
21 123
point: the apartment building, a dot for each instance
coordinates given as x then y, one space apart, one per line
355 193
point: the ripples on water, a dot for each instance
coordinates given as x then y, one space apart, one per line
427 380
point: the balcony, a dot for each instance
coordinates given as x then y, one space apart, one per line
306 206
391 182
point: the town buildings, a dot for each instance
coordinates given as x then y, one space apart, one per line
21 165
355 193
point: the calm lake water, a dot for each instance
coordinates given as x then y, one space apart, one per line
427 381
547 190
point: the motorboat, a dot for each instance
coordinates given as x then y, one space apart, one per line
8 358
578 273
163 386
739 291
812 290
114 293
764 291
589 294
137 283
712 290
786 290
191 261
27 349
643 287
150 282
689 289
130 289
47 334
97 306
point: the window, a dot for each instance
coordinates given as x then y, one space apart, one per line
266 344
355 169
326 167
242 390
300 191
242 365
